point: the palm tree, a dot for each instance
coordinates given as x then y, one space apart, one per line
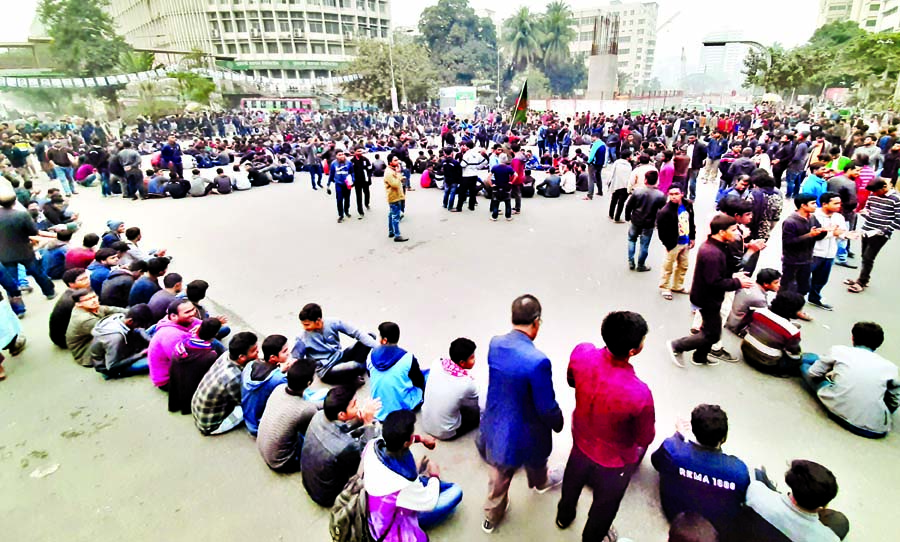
523 36
558 32
134 62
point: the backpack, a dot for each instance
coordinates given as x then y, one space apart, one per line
348 520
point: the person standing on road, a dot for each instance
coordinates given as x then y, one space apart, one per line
362 174
596 160
452 172
16 230
134 177
641 211
473 162
675 225
712 278
882 214
393 185
340 172
799 234
612 426
520 412
169 157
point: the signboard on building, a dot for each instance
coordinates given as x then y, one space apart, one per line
240 65
461 100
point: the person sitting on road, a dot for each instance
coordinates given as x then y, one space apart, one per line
286 418
172 286
451 401
696 476
802 513
86 314
146 286
321 341
859 388
395 377
550 187
261 377
749 299
216 405
180 322
334 442
192 359
404 498
772 342
75 279
119 348
104 260
222 182
117 287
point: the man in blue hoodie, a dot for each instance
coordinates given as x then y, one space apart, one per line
340 172
259 378
394 373
104 261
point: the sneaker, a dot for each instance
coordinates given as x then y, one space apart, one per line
509 219
400 239
822 305
848 265
360 217
723 355
391 236
340 219
18 346
708 363
674 355
554 479
26 289
642 269
613 536
493 219
631 266
488 526
53 295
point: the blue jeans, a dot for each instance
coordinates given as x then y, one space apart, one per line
105 190
89 180
64 174
450 497
813 385
450 195
33 268
394 219
139 367
692 183
645 234
794 179
612 154
21 276
821 270
843 250
315 174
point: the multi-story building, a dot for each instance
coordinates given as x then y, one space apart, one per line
872 15
724 64
294 40
637 36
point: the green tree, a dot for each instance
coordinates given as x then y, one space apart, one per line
523 37
566 76
194 88
836 33
85 43
135 62
413 73
558 32
623 82
462 45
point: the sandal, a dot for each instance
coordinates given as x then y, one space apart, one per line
681 291
856 288
667 295
850 282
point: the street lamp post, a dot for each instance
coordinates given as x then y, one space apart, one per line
394 106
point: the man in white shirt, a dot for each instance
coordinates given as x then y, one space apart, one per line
240 179
617 185
830 218
638 176
568 179
801 514
859 388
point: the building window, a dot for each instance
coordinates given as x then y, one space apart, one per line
318 48
269 25
272 48
258 48
330 3
335 49
346 4
287 47
226 26
624 51
874 7
232 49
245 48
241 25
332 28
284 25
219 49
871 22
316 27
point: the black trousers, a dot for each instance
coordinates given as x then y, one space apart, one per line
617 203
795 277
608 485
710 333
468 189
871 246
362 196
350 366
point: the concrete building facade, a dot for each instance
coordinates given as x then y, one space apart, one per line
871 15
293 40
637 36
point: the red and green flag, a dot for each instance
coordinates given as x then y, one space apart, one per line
520 112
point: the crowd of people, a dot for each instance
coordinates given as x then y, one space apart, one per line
125 312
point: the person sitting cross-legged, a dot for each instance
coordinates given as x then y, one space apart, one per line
695 475
75 279
216 404
86 314
334 442
404 498
321 341
450 408
859 388
286 418
749 299
394 374
119 348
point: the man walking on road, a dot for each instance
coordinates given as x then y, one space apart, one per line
520 413
362 174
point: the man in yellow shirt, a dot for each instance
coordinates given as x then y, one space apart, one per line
393 185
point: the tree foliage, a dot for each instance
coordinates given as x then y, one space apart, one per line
523 37
85 43
565 76
558 32
413 73
462 45
837 54
194 88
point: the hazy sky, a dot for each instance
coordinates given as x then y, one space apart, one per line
789 22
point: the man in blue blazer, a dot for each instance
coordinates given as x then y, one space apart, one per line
521 412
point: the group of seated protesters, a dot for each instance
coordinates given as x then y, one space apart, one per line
159 327
164 183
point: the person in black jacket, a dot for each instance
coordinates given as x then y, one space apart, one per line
362 179
117 287
799 234
675 224
641 210
712 278
75 279
192 359
697 151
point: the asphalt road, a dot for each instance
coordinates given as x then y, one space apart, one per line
128 469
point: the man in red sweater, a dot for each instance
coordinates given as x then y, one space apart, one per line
612 425
82 257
